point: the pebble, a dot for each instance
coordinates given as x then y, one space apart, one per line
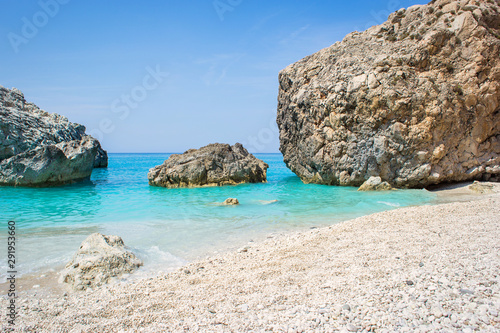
444 281
244 249
466 292
437 313
472 306
352 328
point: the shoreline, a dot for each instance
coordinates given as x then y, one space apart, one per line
46 278
382 271
45 282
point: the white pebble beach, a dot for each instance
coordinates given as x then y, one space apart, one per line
416 269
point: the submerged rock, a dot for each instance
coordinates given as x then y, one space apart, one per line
375 184
27 132
268 202
213 165
414 101
99 259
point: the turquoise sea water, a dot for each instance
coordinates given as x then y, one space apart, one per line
168 227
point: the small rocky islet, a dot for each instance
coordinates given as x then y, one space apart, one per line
213 165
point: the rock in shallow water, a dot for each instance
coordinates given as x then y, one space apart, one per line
27 132
213 165
62 163
414 101
231 201
99 259
375 184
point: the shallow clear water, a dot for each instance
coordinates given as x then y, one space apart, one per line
168 227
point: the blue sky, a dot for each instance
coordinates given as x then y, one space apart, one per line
166 76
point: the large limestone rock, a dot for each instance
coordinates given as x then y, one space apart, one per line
62 163
414 101
213 165
99 259
39 149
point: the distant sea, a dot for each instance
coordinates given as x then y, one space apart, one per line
168 227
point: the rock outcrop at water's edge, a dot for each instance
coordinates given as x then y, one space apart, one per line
414 101
213 165
99 259
49 165
42 149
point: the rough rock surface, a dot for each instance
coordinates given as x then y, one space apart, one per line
375 184
48 165
481 188
213 165
99 259
414 101
26 129
101 159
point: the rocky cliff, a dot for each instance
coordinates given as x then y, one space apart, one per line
213 165
38 148
414 101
